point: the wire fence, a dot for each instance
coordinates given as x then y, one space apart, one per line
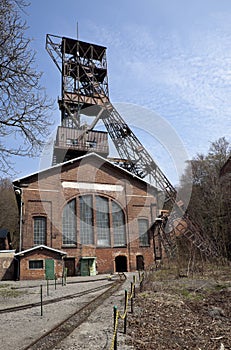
118 315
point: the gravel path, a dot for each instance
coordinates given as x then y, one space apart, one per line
97 332
18 329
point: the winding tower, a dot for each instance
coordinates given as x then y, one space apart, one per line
84 88
83 69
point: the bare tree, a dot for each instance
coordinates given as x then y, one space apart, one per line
9 215
207 206
24 105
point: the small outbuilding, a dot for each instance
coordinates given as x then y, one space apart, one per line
40 262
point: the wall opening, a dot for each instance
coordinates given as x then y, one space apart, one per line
121 263
69 263
88 266
139 262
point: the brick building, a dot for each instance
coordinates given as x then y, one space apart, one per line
93 210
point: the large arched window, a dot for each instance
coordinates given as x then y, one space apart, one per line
69 223
118 224
100 221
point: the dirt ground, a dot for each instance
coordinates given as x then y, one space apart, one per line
19 329
169 313
183 313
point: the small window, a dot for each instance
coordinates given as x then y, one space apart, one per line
72 142
35 264
91 144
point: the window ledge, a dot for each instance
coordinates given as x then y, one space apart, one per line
69 246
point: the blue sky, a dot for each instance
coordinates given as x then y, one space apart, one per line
172 57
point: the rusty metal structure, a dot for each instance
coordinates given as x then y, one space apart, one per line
83 68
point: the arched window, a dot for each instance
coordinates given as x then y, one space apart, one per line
40 230
118 224
69 223
98 218
143 232
86 220
102 222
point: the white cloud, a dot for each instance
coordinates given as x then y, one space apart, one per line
186 77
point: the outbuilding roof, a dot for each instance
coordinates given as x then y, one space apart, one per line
41 246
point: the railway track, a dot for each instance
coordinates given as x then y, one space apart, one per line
54 336
52 301
60 283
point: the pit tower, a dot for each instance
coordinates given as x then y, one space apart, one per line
84 88
84 91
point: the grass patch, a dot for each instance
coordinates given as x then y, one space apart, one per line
7 292
185 293
219 287
6 285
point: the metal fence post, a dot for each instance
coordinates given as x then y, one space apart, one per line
47 287
131 298
125 311
134 286
141 285
115 330
41 298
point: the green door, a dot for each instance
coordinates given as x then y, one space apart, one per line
50 269
88 267
84 267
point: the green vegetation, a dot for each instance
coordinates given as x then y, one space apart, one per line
196 287
6 291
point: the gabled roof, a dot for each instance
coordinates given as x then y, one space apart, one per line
41 246
86 156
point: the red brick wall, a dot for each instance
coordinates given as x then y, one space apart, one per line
45 196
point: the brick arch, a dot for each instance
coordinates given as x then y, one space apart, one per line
121 263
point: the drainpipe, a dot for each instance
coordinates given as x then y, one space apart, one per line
19 192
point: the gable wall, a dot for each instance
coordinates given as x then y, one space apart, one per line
46 196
